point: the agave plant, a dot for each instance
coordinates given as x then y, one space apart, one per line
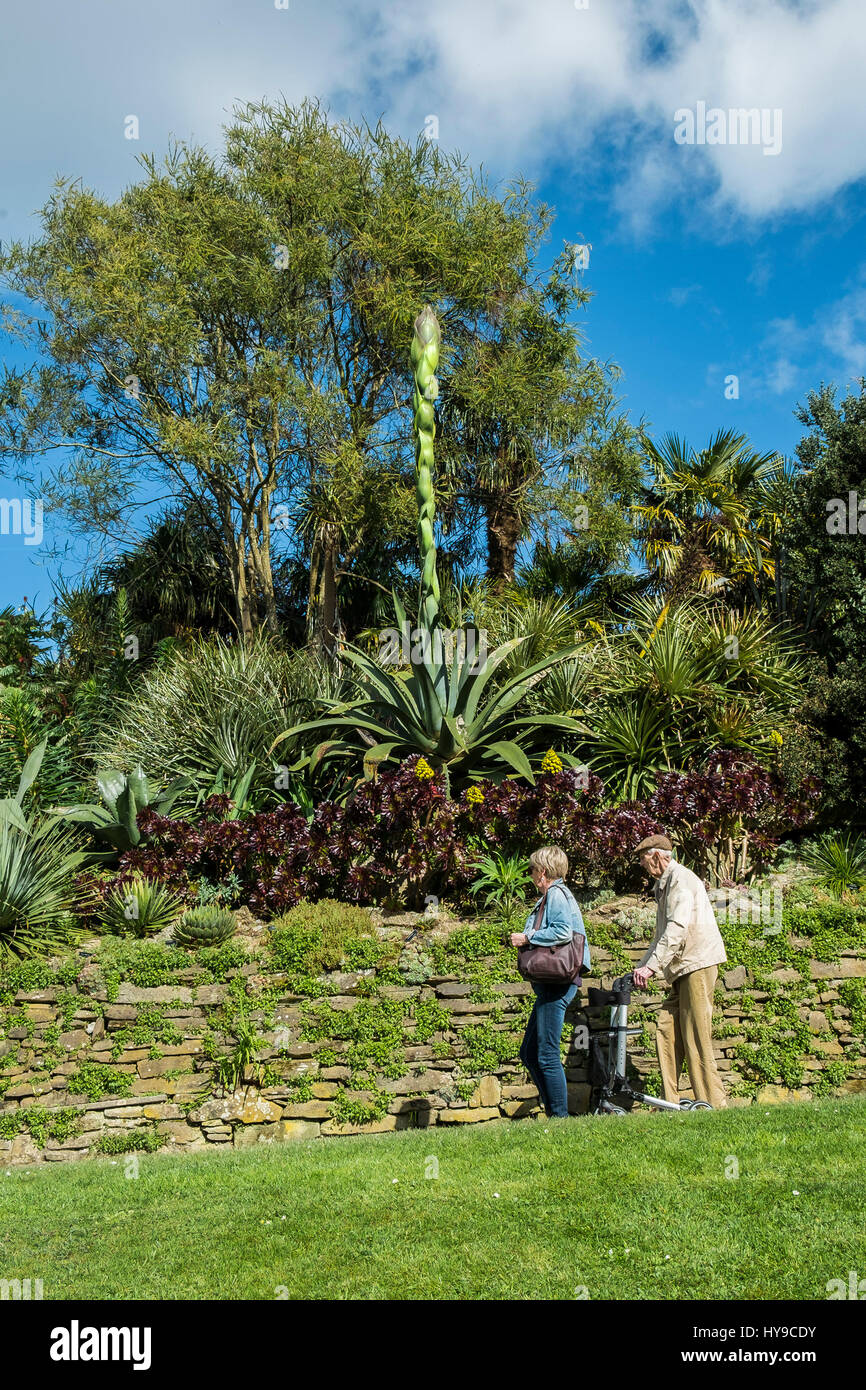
141 906
204 926
124 796
838 862
449 712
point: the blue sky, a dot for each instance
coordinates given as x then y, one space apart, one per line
737 256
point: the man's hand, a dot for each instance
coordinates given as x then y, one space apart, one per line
641 976
519 938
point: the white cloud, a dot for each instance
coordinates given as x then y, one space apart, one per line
521 85
843 331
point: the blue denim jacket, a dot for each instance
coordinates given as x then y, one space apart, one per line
561 918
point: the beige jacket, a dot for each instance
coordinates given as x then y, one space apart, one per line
687 936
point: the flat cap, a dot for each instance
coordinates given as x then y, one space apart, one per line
654 842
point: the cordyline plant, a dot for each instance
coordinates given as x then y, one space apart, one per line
450 713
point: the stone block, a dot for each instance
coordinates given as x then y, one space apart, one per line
74 1039
775 1095
453 990
158 1066
210 994
400 992
86 1140
416 1105
159 994
488 1093
383 1126
468 1115
736 978
178 1131
286 1130
308 1110
578 1097
847 969
427 1081
518 1109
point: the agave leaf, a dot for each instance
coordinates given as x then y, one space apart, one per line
126 815
139 788
85 813
30 770
526 678
110 785
513 755
240 791
381 752
475 685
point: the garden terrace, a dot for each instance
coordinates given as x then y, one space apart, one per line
335 1021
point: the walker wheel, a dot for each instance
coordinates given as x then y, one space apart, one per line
700 1105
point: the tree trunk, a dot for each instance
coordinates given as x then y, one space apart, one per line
323 622
503 538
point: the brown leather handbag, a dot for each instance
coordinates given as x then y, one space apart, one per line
552 965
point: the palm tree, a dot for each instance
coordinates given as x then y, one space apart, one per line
710 518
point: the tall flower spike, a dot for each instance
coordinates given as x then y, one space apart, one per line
425 357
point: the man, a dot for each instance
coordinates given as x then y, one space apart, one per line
686 950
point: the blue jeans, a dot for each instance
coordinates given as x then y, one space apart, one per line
539 1051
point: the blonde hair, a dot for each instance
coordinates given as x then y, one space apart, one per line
551 860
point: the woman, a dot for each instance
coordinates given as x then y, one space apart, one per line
554 918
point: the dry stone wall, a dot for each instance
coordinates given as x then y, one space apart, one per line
174 1102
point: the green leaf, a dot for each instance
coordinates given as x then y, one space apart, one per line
512 754
30 770
10 812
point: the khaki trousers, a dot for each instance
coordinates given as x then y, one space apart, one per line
685 1031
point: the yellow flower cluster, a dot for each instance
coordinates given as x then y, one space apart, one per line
776 738
423 770
551 762
475 796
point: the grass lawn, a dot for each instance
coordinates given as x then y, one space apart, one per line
631 1207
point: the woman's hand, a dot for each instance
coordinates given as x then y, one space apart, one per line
519 938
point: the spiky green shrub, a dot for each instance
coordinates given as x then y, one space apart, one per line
204 926
208 717
838 862
140 907
504 880
37 887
